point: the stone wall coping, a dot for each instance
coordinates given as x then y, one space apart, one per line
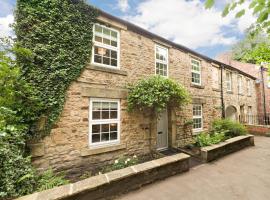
89 152
106 69
228 141
92 183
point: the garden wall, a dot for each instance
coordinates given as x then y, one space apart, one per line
109 185
258 129
231 145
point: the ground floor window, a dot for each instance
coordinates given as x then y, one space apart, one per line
197 117
104 124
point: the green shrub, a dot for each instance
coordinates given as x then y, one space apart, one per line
207 139
232 128
17 176
156 93
48 180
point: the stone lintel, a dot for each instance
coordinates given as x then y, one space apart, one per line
104 93
89 152
197 100
110 22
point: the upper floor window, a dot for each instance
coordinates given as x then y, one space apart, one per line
104 121
248 87
197 117
268 81
229 81
196 71
106 46
161 61
240 85
215 77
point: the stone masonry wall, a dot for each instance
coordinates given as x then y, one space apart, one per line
67 147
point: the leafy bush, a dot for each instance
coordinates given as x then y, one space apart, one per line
17 176
48 180
122 163
155 93
232 128
206 139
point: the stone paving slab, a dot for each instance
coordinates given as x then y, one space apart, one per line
243 175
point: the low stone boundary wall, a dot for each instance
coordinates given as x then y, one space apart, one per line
109 185
258 130
231 145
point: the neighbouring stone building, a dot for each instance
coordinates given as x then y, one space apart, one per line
262 83
95 127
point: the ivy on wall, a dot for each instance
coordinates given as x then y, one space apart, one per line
59 35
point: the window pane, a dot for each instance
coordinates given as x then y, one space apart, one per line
105 105
96 106
104 128
105 114
95 138
114 106
114 43
96 115
96 128
114 54
98 39
105 137
98 29
114 34
106 61
106 31
106 41
113 115
114 62
113 127
113 135
98 59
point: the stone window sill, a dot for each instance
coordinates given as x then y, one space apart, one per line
89 152
105 69
217 90
197 86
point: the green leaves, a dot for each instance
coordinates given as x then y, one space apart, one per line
59 35
156 93
240 13
209 3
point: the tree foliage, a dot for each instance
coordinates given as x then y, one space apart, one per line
156 93
261 10
59 35
252 49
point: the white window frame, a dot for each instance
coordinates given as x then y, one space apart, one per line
229 89
268 81
249 87
214 67
160 61
103 121
196 72
99 44
240 84
196 130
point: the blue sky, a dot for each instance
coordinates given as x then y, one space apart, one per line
183 21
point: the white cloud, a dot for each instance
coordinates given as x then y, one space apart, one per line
188 23
123 5
5 29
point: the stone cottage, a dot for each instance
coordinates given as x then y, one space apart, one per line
95 127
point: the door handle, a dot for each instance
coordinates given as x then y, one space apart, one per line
160 132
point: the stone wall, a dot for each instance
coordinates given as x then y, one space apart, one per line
67 147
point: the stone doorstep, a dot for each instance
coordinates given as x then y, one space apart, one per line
94 182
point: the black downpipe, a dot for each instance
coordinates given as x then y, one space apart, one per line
263 92
222 94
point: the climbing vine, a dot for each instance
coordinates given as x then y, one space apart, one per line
155 94
59 35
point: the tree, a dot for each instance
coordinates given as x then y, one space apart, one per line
252 49
261 10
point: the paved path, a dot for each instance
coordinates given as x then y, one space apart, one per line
244 175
